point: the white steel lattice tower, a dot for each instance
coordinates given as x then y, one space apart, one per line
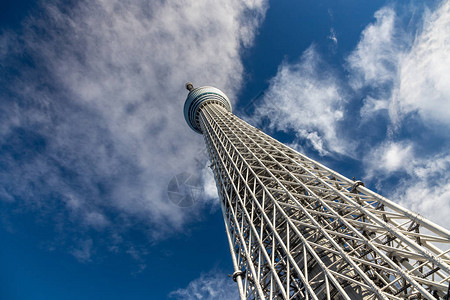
298 230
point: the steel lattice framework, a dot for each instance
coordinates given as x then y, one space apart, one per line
298 230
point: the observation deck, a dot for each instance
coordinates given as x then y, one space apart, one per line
197 98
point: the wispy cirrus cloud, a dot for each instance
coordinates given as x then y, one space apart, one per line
408 71
424 72
92 122
374 60
304 100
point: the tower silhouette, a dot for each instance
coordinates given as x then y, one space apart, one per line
299 230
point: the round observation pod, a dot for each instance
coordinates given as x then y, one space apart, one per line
198 97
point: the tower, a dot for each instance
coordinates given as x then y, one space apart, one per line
299 230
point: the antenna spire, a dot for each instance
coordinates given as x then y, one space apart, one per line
189 86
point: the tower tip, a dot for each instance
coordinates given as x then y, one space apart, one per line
189 86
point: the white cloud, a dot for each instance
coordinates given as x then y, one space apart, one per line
96 220
210 188
428 189
94 118
430 201
389 157
424 186
407 74
374 61
410 72
304 99
424 72
372 106
332 35
400 72
213 285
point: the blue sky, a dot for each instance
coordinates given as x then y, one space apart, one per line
92 129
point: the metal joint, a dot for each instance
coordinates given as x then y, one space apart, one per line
355 185
236 274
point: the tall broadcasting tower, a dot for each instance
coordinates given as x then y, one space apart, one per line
298 230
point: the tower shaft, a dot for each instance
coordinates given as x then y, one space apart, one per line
298 230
